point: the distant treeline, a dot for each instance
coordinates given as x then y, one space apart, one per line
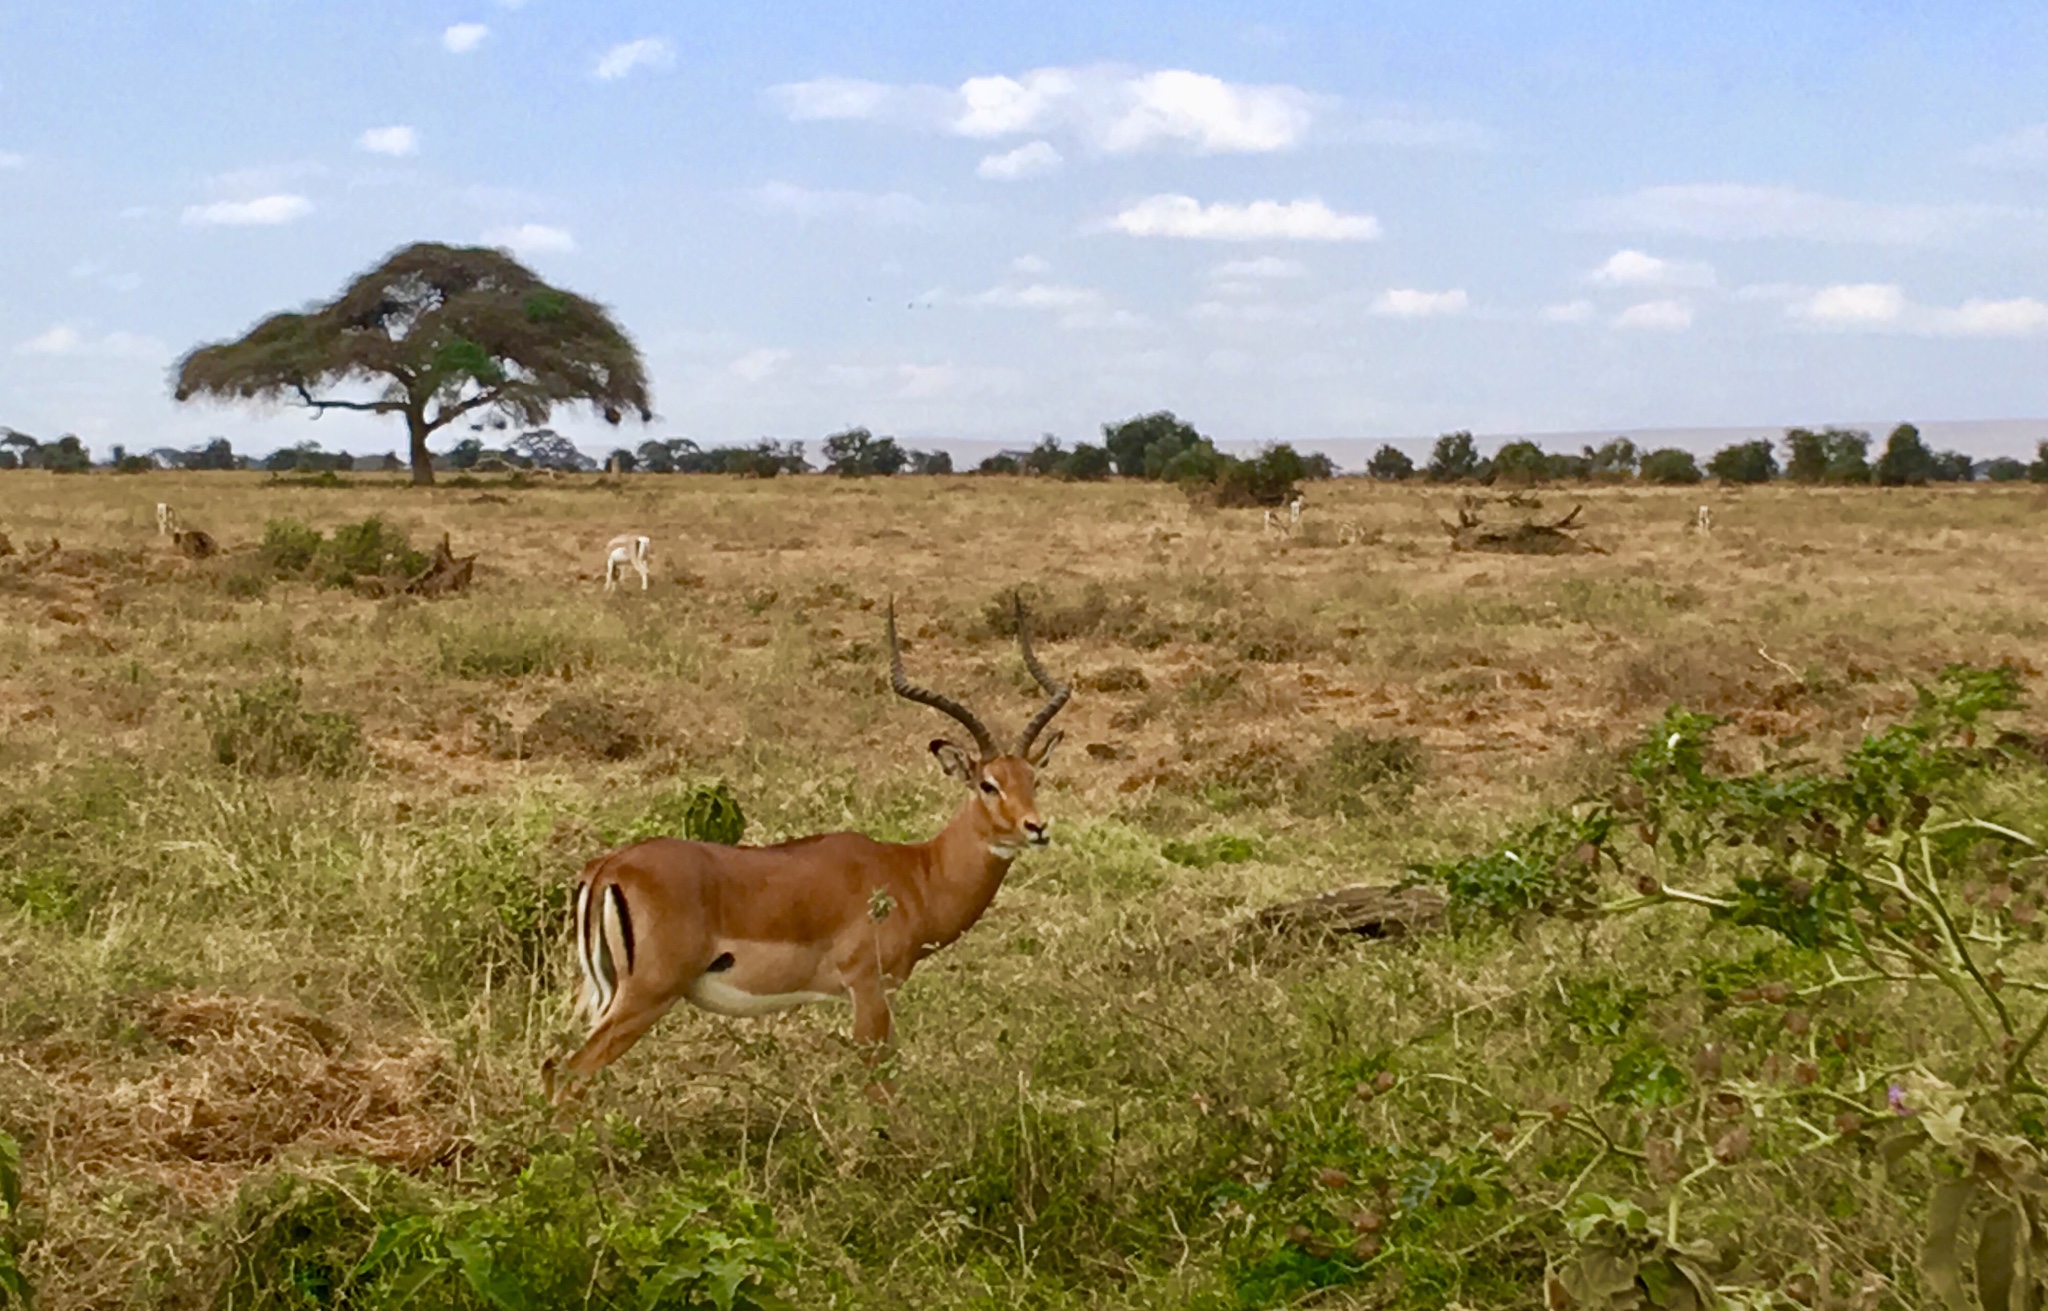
1157 447
1838 456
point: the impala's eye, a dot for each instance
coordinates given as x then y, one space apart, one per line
988 785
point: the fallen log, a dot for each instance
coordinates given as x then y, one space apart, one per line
1524 537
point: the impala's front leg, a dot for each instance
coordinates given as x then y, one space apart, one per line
872 1029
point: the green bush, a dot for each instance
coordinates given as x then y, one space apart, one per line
371 548
549 1240
263 730
289 545
701 814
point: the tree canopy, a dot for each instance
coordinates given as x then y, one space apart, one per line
441 332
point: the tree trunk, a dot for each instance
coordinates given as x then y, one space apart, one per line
422 458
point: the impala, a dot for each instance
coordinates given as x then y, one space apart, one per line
627 550
746 931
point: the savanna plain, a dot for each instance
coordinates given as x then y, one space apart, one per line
1736 1000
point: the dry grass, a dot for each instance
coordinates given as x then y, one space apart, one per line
173 933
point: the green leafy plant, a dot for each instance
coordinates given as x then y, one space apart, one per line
1217 849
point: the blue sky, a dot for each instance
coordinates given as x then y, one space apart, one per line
1298 221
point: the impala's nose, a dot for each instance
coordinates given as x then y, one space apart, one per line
1034 829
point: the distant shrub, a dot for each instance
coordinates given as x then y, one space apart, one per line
1453 458
1744 462
1671 467
1390 464
1085 463
264 730
2005 469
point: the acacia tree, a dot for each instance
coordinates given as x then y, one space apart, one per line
441 332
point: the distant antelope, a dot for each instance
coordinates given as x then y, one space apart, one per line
1703 521
166 520
1294 511
621 551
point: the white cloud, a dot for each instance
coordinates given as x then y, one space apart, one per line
1738 212
1265 267
1571 311
894 207
1656 316
1025 161
1883 307
829 99
1408 303
647 52
59 340
2025 149
757 365
396 140
1635 268
264 211
1209 114
2021 317
531 239
9 159
1038 296
1108 109
1030 265
63 339
461 38
1297 220
1862 304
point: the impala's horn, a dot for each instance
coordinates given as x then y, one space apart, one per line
924 696
1058 692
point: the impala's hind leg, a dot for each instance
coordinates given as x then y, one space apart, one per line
621 1026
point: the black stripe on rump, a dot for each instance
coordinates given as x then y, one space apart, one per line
625 922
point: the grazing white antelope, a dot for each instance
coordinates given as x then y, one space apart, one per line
622 551
746 931
1703 521
166 520
1294 511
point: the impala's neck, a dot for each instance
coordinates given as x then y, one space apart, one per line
963 871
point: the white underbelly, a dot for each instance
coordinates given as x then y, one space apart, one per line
714 994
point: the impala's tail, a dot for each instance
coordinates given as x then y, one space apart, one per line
604 941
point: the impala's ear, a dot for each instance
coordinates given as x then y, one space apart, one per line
957 761
1043 751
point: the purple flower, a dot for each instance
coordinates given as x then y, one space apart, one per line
1895 1096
